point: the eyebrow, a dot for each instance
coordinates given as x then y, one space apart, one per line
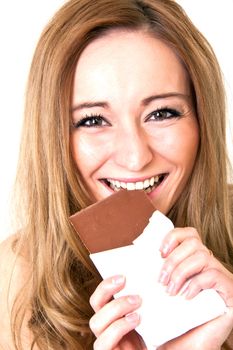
148 100
89 105
145 102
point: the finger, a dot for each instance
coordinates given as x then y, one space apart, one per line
112 336
113 311
212 278
188 268
105 291
209 336
175 238
188 247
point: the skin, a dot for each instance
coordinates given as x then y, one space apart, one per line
136 145
128 142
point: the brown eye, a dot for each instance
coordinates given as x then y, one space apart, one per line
163 114
91 121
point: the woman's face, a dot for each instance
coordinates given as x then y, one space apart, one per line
134 122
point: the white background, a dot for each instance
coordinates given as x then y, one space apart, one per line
21 23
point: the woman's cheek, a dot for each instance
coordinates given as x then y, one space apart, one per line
177 143
89 151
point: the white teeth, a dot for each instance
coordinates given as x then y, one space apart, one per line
152 181
139 185
123 185
117 184
147 184
130 186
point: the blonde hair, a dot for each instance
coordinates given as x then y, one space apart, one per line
62 276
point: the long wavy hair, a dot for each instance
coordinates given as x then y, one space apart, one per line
50 188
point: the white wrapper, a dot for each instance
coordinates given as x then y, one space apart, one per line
163 317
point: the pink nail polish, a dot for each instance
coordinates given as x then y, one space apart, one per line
163 278
132 317
165 249
171 287
188 294
134 299
117 280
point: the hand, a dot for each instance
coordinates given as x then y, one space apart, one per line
209 336
189 267
114 320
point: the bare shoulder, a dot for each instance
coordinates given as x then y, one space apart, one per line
13 273
7 261
13 268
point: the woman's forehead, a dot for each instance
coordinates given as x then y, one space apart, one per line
131 62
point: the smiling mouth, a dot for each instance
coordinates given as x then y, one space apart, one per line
147 185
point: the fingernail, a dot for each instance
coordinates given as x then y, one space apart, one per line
165 249
185 287
134 299
171 287
183 290
188 294
117 280
163 278
132 318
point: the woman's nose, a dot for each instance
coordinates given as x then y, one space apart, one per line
132 150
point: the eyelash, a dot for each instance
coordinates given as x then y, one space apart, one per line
90 118
98 119
173 114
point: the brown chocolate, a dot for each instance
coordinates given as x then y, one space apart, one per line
113 222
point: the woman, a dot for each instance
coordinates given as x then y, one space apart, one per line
128 94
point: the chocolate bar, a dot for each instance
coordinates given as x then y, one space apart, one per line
128 221
114 221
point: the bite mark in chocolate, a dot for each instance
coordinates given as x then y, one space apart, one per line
113 222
